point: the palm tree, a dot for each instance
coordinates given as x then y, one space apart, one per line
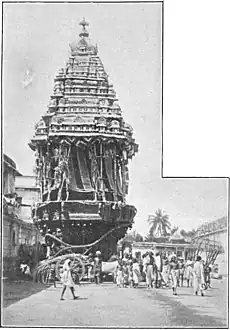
159 223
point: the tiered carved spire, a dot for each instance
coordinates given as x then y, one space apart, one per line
83 133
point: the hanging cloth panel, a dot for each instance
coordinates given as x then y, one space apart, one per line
83 170
104 177
94 168
119 188
123 180
109 168
126 179
74 184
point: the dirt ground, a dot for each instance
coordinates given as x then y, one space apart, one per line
109 306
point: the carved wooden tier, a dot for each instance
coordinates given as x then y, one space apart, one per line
83 146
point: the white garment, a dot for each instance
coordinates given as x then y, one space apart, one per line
197 284
136 273
146 260
149 275
165 273
188 272
158 262
171 256
66 276
48 252
119 278
25 269
198 270
174 274
91 271
188 263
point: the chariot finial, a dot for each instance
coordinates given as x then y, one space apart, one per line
84 32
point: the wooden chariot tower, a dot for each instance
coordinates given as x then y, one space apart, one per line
82 147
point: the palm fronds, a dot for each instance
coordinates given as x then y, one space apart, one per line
159 223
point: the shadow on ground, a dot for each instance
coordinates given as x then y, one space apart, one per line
182 316
14 291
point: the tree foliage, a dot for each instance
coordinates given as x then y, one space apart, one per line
190 233
173 230
159 224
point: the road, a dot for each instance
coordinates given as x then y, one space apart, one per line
108 306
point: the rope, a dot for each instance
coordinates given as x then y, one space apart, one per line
57 240
68 246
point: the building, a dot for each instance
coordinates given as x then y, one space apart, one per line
26 187
82 147
9 174
175 244
210 239
17 234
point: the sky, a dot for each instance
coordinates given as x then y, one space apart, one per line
36 39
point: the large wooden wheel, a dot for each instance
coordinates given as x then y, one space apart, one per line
77 267
46 276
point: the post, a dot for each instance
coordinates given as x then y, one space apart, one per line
115 173
101 165
40 171
123 178
93 163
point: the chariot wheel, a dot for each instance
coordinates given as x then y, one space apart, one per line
77 267
45 277
48 276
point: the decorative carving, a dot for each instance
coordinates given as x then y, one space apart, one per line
72 170
86 120
78 119
101 121
60 120
52 102
127 127
61 101
115 124
57 177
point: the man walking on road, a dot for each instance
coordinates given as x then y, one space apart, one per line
198 271
67 279
174 271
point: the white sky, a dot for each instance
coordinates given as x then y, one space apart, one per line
36 37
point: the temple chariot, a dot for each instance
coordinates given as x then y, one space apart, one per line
82 147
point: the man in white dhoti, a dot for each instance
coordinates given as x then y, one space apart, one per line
159 269
198 274
189 272
67 279
174 271
136 273
145 258
150 270
165 272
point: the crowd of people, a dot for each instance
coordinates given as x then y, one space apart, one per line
161 271
155 270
